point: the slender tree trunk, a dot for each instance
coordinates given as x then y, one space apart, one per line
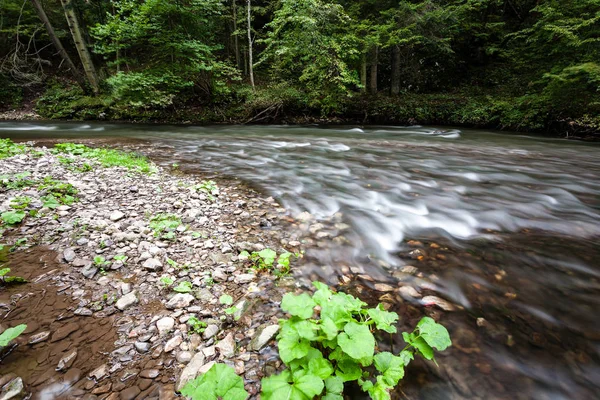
58 45
236 41
363 72
80 45
395 70
374 64
250 61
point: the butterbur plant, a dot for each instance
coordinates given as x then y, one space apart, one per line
324 349
264 260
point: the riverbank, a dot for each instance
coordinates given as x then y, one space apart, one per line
135 278
498 111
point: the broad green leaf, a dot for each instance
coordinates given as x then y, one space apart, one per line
268 256
323 293
226 299
220 381
390 366
292 346
406 356
332 396
358 342
306 329
183 287
334 384
380 391
420 344
280 386
329 328
348 369
12 217
436 335
300 306
4 271
320 367
310 385
384 320
11 333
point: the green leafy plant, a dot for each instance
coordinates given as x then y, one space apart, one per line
121 257
264 260
219 382
8 148
20 202
183 287
17 181
208 187
164 225
10 334
166 281
108 157
227 300
99 261
196 325
12 217
325 348
18 243
10 279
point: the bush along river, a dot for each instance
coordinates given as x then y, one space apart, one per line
141 275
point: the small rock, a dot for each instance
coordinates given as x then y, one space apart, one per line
262 337
184 357
99 372
383 287
125 288
149 373
219 275
244 278
227 346
89 271
165 324
126 301
433 300
82 241
190 371
210 331
13 389
142 347
409 292
116 215
69 255
173 343
80 262
66 362
209 244
180 300
152 264
39 337
83 311
130 393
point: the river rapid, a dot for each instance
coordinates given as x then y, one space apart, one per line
503 227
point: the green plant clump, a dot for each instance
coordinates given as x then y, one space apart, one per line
108 157
196 325
164 225
12 217
338 346
8 148
219 382
10 334
17 181
264 260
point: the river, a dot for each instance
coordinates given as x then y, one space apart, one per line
504 227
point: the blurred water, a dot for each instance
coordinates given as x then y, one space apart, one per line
527 208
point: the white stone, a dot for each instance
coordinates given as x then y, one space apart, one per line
116 215
173 343
165 325
190 371
262 337
127 301
227 346
180 300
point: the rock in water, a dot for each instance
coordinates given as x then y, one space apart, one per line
13 390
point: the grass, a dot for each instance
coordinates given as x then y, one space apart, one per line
108 157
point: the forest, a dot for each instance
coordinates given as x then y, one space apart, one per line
526 65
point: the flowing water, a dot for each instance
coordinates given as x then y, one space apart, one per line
504 227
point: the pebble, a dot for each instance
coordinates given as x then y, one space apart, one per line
227 346
244 278
190 371
99 372
433 300
173 343
66 361
127 301
89 271
130 393
184 357
116 215
39 337
409 292
149 373
142 347
262 337
180 300
165 325
152 264
69 255
210 331
13 390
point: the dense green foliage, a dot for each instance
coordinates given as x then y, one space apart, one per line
518 64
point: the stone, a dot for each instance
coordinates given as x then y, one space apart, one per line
152 264
165 325
69 255
66 361
190 371
82 241
130 393
116 215
262 337
99 372
227 346
434 300
244 278
149 373
142 347
180 300
39 337
383 287
184 357
80 262
125 288
210 331
219 275
64 331
127 301
409 292
89 271
83 311
209 244
173 343
13 390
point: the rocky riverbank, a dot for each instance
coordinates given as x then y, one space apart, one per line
144 265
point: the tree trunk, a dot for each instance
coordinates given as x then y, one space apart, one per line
250 61
395 70
374 62
58 45
363 72
80 45
236 42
